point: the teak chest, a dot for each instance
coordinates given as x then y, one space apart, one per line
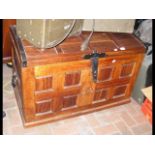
62 82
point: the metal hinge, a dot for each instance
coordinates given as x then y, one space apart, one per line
94 62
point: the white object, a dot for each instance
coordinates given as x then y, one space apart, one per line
122 48
115 49
113 61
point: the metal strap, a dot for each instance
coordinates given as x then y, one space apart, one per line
20 46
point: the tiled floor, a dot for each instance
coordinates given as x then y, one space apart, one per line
122 120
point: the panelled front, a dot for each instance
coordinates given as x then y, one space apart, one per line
58 88
114 77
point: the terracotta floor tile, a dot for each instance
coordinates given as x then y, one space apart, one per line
117 133
135 105
74 120
92 121
7 104
8 95
65 130
6 127
62 127
123 128
118 109
127 118
148 133
7 71
133 108
101 113
43 130
130 109
72 126
14 117
7 87
85 131
108 118
140 118
106 130
20 130
83 124
6 81
102 122
113 117
142 129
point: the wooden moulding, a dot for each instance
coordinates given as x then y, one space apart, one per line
80 111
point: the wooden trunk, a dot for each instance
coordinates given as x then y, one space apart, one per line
58 83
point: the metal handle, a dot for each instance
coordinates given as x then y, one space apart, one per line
14 80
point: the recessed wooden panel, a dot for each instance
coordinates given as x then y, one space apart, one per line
43 83
43 106
97 95
105 74
127 69
120 91
69 101
72 78
100 94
